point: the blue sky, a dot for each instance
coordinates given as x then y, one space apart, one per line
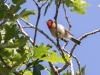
88 52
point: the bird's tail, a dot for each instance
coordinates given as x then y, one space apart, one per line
75 41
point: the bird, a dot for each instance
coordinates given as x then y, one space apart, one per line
61 31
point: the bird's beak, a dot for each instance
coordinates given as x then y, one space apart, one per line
45 22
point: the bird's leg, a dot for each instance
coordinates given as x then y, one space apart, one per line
65 40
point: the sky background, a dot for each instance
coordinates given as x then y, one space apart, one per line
88 52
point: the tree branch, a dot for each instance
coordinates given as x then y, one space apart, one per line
38 18
82 37
66 16
21 29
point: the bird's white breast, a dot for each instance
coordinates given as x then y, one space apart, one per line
60 31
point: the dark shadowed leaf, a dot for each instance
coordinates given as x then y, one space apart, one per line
49 3
18 2
37 69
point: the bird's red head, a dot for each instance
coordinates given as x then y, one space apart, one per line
49 23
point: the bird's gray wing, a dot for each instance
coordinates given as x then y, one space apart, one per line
66 30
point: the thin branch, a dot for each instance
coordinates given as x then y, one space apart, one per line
21 29
8 66
63 68
36 3
81 38
89 33
66 16
65 43
55 17
44 3
38 18
72 50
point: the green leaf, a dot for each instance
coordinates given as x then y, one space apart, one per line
49 3
18 2
67 73
6 52
10 32
78 6
14 9
4 70
61 60
2 13
25 14
54 59
83 70
27 72
37 69
17 42
51 72
40 51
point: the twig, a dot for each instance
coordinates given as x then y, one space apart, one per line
72 50
20 26
63 68
55 17
66 16
44 3
38 18
65 43
36 3
89 33
81 38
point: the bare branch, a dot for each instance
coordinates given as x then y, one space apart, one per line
72 50
66 16
38 18
65 43
89 33
63 68
21 29
36 3
81 38
55 17
44 3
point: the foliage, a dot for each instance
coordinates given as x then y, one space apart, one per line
15 50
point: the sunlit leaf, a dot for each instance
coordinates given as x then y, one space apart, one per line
49 3
40 51
25 13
